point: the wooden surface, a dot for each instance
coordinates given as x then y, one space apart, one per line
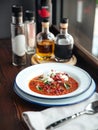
35 60
11 106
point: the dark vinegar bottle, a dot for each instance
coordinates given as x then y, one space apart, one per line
64 43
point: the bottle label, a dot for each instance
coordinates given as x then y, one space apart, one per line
44 12
63 42
18 45
44 9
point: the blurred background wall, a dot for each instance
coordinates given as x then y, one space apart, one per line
5 14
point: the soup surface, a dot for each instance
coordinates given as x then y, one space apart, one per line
53 83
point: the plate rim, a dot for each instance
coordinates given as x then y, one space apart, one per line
61 96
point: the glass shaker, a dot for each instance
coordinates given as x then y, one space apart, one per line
18 36
30 32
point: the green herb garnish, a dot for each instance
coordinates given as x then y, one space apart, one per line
67 86
46 81
39 88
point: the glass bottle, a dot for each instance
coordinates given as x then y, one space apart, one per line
45 43
18 36
44 11
30 32
64 43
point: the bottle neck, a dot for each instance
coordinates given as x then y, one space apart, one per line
45 27
64 30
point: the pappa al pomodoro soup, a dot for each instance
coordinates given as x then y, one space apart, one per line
54 83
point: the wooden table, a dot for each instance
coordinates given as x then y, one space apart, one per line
12 106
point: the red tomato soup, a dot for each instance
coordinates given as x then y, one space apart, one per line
54 83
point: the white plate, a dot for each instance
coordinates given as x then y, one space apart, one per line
56 102
82 77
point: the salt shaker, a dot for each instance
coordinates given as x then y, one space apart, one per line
18 36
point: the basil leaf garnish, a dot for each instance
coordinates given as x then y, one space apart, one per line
67 86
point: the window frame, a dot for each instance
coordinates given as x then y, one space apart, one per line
82 51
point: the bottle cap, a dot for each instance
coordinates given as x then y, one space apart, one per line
45 20
64 23
64 20
29 15
45 23
17 10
